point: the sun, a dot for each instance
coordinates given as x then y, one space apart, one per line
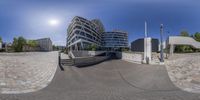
53 22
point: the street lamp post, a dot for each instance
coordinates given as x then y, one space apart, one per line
161 43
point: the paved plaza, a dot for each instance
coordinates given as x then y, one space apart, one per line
184 71
109 80
26 72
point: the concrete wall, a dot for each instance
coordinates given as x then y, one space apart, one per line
94 53
137 57
86 61
130 57
86 53
181 40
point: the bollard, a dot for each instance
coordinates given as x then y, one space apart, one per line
59 61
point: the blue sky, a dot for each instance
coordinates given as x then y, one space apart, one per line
29 18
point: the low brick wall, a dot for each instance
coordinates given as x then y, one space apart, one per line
130 57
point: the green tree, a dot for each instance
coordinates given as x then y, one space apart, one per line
197 36
18 43
21 43
55 47
124 49
1 39
184 33
32 43
92 47
15 43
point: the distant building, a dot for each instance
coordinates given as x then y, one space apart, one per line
115 40
138 45
7 47
45 44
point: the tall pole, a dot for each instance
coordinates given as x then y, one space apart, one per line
145 42
161 43
145 25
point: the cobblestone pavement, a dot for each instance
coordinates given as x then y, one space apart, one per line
26 72
110 80
184 71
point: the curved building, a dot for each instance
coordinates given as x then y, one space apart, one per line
82 32
115 40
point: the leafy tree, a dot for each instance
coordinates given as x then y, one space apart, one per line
21 43
15 43
55 47
32 43
197 36
184 33
124 49
1 39
92 47
18 43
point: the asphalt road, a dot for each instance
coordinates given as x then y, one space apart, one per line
110 80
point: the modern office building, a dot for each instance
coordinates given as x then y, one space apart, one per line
138 45
45 44
115 40
81 33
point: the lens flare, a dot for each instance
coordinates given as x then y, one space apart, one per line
53 22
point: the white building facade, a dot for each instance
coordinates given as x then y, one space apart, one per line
45 44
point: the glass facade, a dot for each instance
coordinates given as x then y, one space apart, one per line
115 39
82 32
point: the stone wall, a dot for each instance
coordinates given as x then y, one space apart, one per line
137 57
130 57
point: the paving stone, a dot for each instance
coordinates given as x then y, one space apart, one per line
184 71
19 71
